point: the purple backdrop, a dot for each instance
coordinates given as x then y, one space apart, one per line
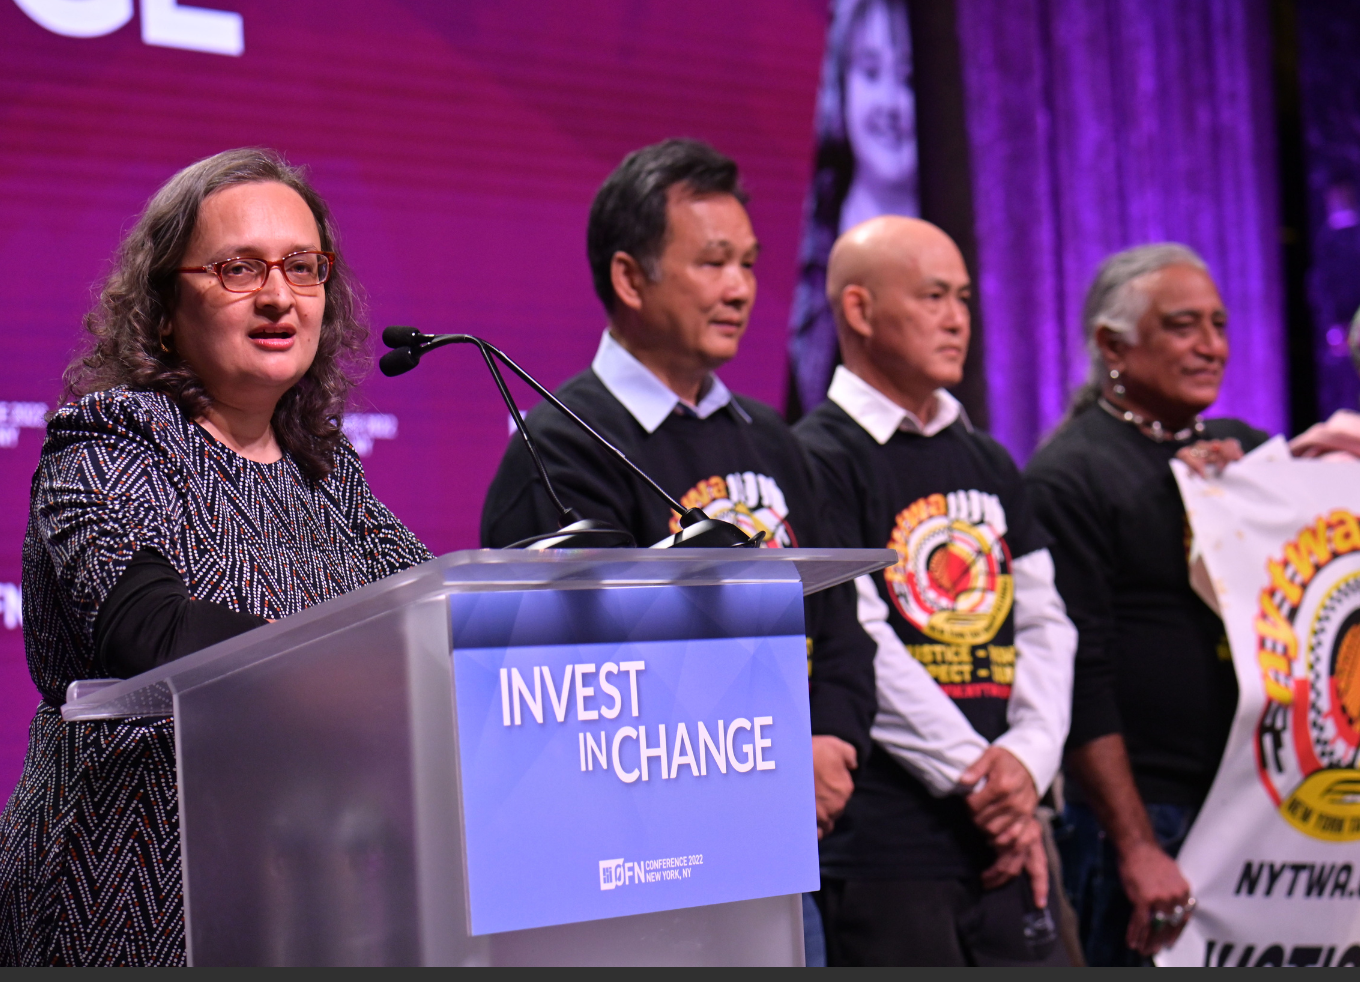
1100 124
459 144
1329 82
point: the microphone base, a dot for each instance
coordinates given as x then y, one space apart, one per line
585 534
713 533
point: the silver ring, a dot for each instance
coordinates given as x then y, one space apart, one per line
1178 916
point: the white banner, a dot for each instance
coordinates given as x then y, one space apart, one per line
1274 857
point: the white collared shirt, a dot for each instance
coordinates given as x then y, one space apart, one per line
881 417
916 721
644 395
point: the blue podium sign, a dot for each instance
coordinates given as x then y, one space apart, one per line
632 750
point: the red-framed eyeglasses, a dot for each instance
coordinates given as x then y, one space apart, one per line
248 275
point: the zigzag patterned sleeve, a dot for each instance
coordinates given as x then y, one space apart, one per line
100 494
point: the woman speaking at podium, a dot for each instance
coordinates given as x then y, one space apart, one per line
196 485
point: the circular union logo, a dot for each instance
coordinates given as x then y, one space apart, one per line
752 502
776 527
952 581
1308 649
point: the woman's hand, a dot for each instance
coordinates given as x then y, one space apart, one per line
1210 456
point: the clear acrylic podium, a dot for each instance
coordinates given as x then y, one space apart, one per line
320 800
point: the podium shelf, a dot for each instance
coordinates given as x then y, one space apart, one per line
153 693
565 569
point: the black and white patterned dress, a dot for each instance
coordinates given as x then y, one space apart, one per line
89 843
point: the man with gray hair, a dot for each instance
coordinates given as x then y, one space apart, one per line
1154 692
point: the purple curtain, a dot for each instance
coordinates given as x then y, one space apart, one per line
1101 124
1329 77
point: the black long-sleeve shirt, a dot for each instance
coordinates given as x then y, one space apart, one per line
1152 660
741 463
148 619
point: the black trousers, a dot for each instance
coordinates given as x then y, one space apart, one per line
937 923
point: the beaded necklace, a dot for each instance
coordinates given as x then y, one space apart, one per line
1152 428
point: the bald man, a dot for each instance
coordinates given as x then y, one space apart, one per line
938 858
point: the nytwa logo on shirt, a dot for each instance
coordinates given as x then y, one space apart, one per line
952 582
752 502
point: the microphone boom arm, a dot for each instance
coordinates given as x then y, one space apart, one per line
564 512
440 340
697 529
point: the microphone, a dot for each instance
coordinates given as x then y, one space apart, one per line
396 337
398 361
574 532
404 355
697 529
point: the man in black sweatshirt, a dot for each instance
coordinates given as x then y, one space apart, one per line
672 252
1155 692
974 663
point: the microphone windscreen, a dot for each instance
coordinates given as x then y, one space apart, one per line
400 337
398 361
